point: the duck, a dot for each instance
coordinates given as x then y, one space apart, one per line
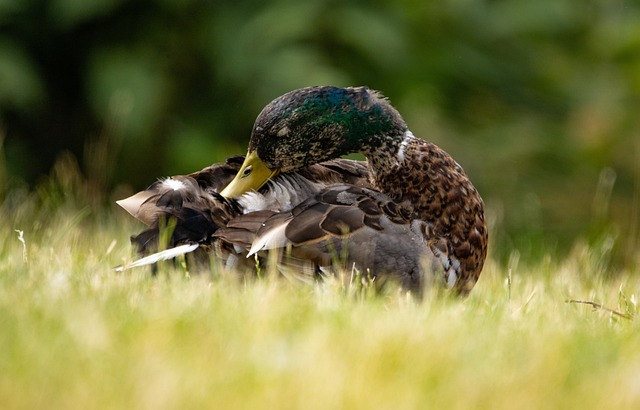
412 216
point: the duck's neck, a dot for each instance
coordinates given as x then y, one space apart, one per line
386 153
410 169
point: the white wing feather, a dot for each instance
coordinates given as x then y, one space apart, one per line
160 256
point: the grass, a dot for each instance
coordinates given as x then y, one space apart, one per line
76 334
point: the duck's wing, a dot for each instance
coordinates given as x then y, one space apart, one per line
165 197
189 204
194 210
343 225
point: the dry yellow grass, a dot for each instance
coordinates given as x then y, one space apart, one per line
76 334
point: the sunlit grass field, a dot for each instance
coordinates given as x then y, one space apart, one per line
75 334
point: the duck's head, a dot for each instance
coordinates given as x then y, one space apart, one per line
311 125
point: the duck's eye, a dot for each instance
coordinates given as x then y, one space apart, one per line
246 171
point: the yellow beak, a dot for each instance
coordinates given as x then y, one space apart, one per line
252 175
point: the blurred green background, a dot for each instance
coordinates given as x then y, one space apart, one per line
538 100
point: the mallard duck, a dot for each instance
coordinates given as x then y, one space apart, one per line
421 218
417 219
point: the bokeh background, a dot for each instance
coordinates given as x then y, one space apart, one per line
538 100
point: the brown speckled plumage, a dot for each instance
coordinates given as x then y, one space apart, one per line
443 196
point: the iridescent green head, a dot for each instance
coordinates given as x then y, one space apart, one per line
315 124
311 125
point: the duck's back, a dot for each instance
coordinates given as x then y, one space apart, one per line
344 227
